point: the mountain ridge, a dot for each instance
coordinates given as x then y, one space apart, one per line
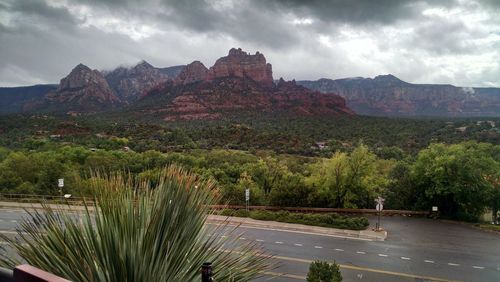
387 95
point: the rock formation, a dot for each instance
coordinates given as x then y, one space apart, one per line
236 84
387 95
83 90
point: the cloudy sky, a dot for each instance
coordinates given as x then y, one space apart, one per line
428 41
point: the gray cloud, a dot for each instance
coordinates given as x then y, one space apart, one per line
356 11
446 41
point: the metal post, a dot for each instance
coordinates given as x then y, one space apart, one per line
378 223
206 272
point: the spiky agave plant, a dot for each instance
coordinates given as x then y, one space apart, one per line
132 232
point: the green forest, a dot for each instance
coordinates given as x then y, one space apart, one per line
343 163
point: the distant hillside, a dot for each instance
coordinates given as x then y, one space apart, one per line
387 95
13 99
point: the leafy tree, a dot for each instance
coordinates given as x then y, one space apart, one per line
454 178
350 180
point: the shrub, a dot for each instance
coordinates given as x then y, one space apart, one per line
262 215
322 271
332 220
241 213
227 212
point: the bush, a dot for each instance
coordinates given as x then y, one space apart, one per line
227 212
262 215
241 213
322 271
331 220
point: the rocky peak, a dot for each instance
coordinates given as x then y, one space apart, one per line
193 72
143 66
131 83
388 79
241 64
83 91
82 76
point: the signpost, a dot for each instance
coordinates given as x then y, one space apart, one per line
60 184
247 197
379 207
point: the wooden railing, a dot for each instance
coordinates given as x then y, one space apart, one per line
324 210
29 198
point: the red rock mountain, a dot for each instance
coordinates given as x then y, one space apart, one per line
238 83
82 91
129 84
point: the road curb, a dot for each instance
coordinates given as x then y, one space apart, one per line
243 221
354 234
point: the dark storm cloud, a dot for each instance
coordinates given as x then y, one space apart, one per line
41 40
355 11
38 12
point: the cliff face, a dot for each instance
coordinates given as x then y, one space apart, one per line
82 91
386 95
129 84
243 65
237 83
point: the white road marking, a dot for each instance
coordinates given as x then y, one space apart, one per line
300 232
278 242
382 255
259 240
243 238
429 261
453 264
224 236
339 250
361 253
298 245
318 247
478 267
405 258
13 221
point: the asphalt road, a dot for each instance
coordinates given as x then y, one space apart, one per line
415 250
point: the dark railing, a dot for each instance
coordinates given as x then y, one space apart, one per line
6 275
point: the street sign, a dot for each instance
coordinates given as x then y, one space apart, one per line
380 200
434 209
247 194
379 207
60 182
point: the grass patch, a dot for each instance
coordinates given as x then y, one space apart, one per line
490 227
331 220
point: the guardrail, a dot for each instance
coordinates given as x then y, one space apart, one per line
29 198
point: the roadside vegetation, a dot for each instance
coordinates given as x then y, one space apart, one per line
322 271
332 220
413 164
